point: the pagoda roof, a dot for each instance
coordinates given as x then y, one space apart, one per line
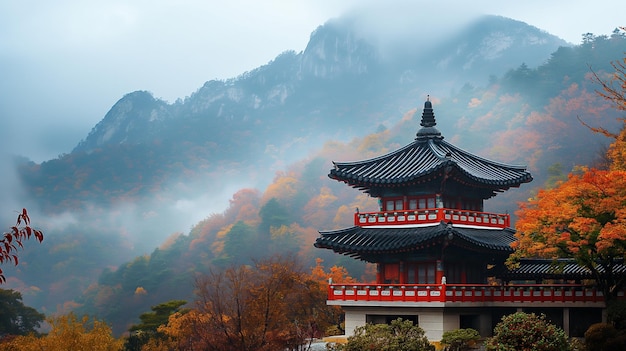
564 268
365 242
427 158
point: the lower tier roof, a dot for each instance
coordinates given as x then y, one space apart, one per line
567 269
365 242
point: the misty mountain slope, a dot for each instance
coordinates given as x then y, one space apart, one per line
342 85
335 58
489 46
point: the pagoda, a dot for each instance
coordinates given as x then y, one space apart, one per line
438 254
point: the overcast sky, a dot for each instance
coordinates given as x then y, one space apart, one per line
64 63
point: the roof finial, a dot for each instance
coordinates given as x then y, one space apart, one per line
428 122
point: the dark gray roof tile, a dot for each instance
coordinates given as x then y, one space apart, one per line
422 159
362 241
426 158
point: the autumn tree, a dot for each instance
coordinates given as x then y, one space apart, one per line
180 333
331 317
297 297
275 228
267 306
240 244
584 217
150 322
15 238
68 332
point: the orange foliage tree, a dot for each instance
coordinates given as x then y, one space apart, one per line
331 317
270 305
585 216
9 242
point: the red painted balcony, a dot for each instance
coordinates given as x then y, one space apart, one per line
432 216
464 293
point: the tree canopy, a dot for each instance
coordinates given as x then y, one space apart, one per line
15 317
269 305
69 332
584 217
141 333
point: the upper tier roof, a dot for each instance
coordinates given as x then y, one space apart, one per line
427 158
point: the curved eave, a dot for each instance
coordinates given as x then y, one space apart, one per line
425 160
568 269
361 242
483 171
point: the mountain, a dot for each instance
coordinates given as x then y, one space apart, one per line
151 170
341 86
337 66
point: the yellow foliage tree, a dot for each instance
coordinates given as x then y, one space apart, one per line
617 152
285 187
317 210
183 332
69 333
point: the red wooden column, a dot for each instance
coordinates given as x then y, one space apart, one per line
439 272
402 279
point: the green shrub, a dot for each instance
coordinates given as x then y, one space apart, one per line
616 314
334 330
460 339
604 337
577 344
528 332
399 336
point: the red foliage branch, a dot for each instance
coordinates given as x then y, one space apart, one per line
9 242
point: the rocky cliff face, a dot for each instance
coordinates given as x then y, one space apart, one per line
133 119
493 45
335 51
339 70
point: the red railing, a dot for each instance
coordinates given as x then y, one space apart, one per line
465 293
433 215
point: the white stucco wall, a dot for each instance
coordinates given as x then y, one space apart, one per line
432 320
354 319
